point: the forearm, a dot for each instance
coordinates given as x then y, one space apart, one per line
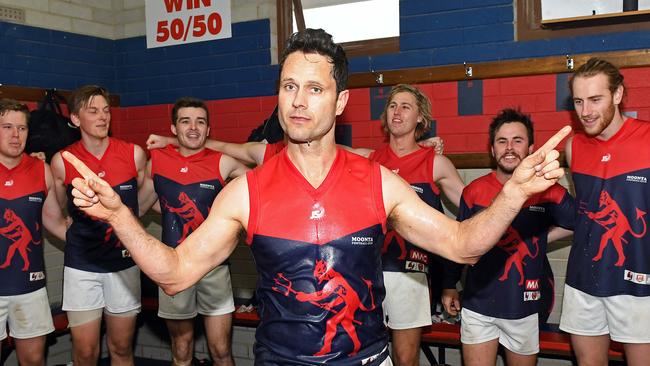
56 227
241 152
158 261
482 231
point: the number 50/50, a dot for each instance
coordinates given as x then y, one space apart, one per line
179 28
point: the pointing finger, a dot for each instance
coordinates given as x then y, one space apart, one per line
555 139
85 172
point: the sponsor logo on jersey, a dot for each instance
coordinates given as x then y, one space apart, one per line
126 253
638 278
419 256
36 276
370 359
126 187
363 240
532 295
185 169
537 209
101 174
206 186
35 199
532 285
418 189
317 212
636 179
9 183
607 157
416 266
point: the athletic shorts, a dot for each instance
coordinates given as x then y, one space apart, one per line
520 336
625 318
406 304
28 315
116 292
211 296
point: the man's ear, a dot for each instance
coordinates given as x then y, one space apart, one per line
618 95
342 101
75 119
173 129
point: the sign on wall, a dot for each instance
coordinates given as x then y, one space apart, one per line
172 22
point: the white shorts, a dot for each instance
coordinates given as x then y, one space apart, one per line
406 304
116 292
28 315
520 336
625 318
212 296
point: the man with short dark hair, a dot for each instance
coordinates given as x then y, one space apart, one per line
503 294
27 203
99 274
315 217
186 179
607 290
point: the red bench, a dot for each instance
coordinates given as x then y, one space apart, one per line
552 343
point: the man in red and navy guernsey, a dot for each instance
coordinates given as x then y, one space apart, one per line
608 274
407 307
186 179
99 275
315 217
503 292
27 203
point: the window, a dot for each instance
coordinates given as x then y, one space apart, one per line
556 10
530 25
375 32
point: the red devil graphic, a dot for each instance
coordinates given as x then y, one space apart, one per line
343 302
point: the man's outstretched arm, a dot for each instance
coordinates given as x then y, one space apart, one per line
466 241
247 153
172 269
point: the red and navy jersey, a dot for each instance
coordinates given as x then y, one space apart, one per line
611 250
273 149
186 187
21 249
508 281
91 245
399 255
317 252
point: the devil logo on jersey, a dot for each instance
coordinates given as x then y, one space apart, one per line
337 297
17 231
517 249
611 217
188 212
400 242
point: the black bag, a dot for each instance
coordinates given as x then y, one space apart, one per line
49 130
270 130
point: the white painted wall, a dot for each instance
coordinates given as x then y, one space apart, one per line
117 19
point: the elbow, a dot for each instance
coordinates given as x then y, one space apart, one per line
471 260
467 258
170 289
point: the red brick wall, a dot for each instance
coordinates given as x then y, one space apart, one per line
233 119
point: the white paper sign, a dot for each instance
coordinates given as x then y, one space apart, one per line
172 22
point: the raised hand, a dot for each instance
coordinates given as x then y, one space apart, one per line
541 169
38 155
92 194
158 142
435 142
